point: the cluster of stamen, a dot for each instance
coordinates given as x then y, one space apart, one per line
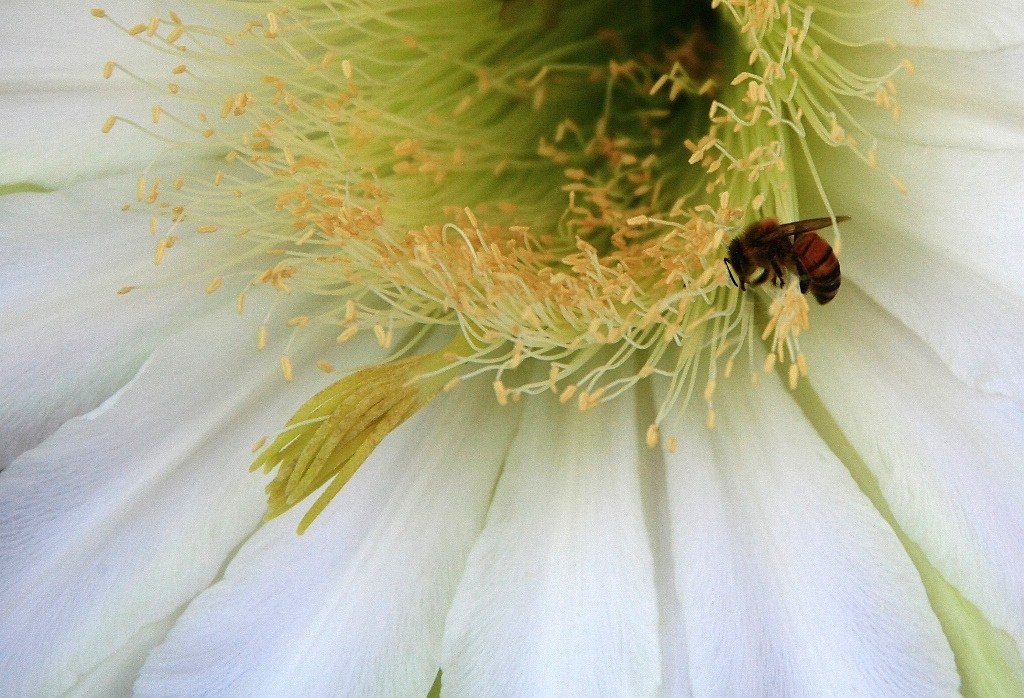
423 175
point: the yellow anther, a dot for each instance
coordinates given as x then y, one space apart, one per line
161 249
653 436
501 392
567 394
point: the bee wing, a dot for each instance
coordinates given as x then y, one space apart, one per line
804 226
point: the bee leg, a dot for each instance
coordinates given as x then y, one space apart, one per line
780 280
728 268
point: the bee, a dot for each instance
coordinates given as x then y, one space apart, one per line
766 249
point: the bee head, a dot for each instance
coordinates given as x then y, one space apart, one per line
737 260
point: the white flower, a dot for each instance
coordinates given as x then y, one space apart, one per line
861 534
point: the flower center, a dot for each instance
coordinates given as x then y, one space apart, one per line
549 183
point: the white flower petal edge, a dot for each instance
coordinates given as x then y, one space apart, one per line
356 604
675 670
958 149
127 513
947 457
969 99
67 340
558 596
976 327
114 676
791 582
968 25
945 258
963 202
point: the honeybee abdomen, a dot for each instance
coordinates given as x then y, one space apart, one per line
821 265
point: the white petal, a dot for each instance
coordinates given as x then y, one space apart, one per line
675 672
124 515
791 582
115 675
67 340
970 26
52 138
969 99
355 605
965 203
945 258
49 43
558 596
947 456
976 327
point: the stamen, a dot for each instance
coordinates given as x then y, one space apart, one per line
564 197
